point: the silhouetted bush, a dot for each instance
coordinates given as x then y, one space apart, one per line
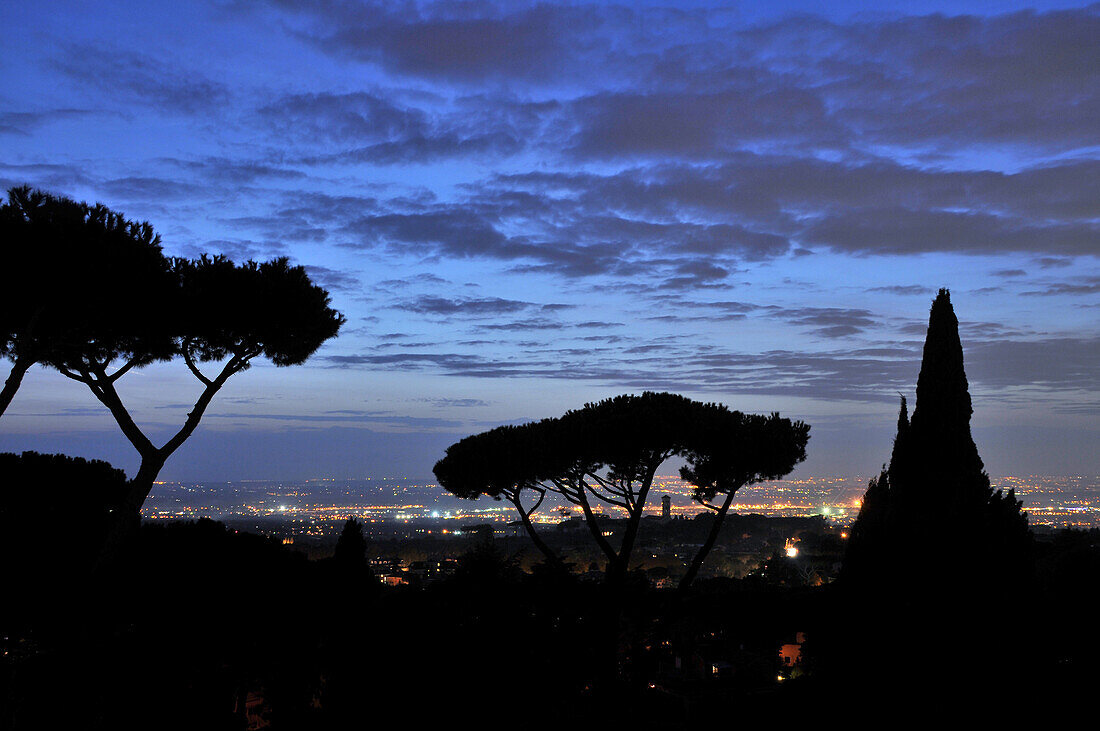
54 515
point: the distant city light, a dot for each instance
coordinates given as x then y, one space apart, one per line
324 505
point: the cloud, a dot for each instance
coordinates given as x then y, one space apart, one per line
54 177
1000 361
334 279
844 375
305 215
455 231
692 124
903 289
995 78
675 221
343 416
417 279
147 188
455 42
382 128
933 81
1077 286
457 402
422 149
695 275
229 172
1054 262
140 79
904 231
352 117
1052 363
471 306
24 123
829 322
525 325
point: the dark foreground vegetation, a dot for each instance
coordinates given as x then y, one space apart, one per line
201 627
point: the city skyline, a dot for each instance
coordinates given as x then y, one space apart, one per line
524 208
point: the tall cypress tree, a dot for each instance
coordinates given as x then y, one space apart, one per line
932 517
938 438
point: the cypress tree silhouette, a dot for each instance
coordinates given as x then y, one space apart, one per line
931 516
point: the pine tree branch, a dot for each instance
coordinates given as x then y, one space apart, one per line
122 370
83 378
103 388
190 361
196 413
603 498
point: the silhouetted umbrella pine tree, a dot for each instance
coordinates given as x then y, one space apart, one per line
933 505
77 278
606 454
218 312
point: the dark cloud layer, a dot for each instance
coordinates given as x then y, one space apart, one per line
695 83
724 144
861 374
692 226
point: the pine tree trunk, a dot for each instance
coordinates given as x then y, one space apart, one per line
715 528
618 568
15 378
126 518
142 484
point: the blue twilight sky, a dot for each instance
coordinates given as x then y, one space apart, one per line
523 207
